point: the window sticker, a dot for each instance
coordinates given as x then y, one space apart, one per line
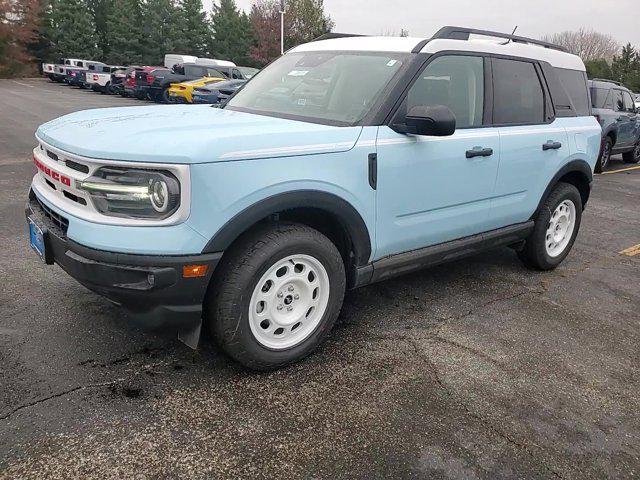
298 73
302 101
391 63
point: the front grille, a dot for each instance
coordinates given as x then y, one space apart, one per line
54 219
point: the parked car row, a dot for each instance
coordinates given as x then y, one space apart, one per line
176 81
617 110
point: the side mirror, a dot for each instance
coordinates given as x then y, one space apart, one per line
435 121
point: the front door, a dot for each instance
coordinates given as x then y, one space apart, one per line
435 189
630 123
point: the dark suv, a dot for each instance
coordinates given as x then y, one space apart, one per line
614 107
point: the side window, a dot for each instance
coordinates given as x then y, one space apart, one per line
214 73
517 92
618 101
455 81
629 106
575 84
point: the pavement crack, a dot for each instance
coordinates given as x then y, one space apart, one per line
526 446
474 309
58 395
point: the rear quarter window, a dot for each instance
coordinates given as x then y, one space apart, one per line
575 85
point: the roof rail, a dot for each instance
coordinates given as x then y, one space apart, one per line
330 35
463 33
620 84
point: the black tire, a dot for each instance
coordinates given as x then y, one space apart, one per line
164 97
605 155
534 254
229 297
633 156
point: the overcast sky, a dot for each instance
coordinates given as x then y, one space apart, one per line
620 18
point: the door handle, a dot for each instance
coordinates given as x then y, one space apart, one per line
551 145
479 152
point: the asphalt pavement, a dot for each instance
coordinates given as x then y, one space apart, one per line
471 370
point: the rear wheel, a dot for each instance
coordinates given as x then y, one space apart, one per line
633 156
106 89
605 155
555 230
277 295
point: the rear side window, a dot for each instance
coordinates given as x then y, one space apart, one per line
575 84
618 101
518 95
456 82
629 106
600 98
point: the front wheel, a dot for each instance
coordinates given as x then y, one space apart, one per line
633 156
555 230
277 294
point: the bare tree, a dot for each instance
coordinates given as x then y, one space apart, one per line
588 44
394 33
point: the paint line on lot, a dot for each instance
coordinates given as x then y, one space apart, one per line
621 170
23 84
631 251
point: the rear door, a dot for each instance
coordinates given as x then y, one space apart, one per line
533 142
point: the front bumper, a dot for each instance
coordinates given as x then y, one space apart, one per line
150 287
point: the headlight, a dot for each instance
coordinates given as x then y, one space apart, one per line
133 193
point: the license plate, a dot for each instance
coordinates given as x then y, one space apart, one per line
36 240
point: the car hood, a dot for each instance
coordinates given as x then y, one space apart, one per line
190 134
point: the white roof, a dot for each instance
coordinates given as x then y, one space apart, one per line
556 58
368 44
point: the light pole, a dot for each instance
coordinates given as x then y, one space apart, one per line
282 8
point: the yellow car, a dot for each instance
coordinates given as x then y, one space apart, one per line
181 92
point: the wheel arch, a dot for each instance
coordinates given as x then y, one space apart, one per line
576 172
611 132
306 206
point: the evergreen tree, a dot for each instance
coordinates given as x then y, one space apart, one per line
123 34
232 33
598 69
196 33
100 10
626 67
162 30
72 30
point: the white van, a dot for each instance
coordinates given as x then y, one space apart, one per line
212 62
171 59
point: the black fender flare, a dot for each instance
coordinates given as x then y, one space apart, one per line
349 217
580 166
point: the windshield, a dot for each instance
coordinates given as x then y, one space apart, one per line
334 87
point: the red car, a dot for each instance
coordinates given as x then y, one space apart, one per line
138 80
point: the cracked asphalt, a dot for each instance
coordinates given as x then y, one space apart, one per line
476 369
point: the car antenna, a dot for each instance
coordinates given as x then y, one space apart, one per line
512 33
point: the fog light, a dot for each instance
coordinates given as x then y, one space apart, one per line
192 271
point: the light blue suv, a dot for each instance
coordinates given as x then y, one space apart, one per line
345 162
